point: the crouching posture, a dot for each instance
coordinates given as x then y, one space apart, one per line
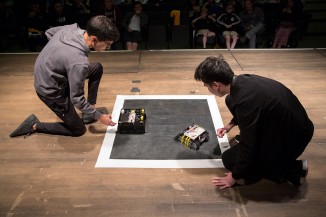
274 126
59 75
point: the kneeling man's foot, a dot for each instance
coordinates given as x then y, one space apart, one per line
300 178
26 127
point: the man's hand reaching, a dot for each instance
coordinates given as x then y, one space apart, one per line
107 120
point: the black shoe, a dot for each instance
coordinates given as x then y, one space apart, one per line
26 127
300 178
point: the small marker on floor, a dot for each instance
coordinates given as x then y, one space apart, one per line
135 89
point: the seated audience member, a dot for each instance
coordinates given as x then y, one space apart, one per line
289 16
204 25
58 15
134 23
36 24
252 21
229 23
111 11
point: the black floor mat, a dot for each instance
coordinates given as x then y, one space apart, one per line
165 119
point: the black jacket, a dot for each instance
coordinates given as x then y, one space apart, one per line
274 126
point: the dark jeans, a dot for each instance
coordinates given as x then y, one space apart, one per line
72 124
279 171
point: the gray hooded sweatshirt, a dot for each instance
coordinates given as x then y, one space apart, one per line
63 65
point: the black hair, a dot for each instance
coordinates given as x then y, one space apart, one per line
214 69
103 28
137 3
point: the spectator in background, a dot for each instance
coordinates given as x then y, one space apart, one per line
118 2
214 9
289 17
193 9
252 22
81 12
144 2
111 11
204 25
36 24
58 15
69 2
134 24
229 23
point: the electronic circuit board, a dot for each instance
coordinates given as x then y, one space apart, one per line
193 136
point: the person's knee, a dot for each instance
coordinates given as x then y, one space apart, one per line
79 132
99 68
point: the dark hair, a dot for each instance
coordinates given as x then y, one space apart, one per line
229 4
103 28
214 69
137 3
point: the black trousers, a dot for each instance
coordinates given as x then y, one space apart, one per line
278 171
72 124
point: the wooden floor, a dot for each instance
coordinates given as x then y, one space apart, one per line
45 175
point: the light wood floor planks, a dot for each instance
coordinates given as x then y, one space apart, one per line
44 175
